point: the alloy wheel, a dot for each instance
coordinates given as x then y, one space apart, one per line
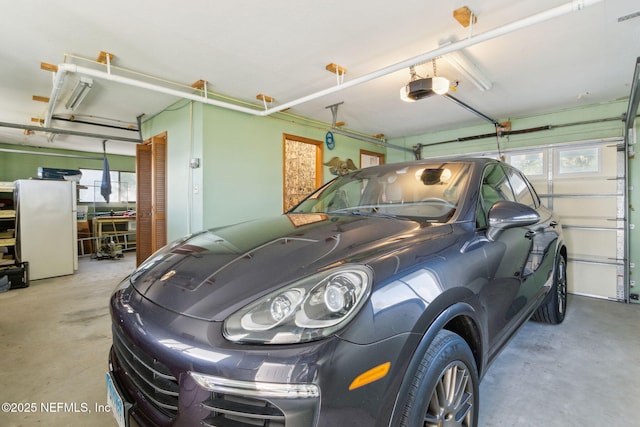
452 399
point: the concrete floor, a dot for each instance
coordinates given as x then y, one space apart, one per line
55 335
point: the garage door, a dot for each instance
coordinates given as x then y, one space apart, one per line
584 183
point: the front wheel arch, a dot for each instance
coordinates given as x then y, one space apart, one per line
458 319
445 389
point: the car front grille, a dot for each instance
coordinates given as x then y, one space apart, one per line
234 411
154 381
150 377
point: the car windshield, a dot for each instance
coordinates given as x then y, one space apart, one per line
420 192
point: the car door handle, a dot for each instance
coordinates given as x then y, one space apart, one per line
529 234
553 224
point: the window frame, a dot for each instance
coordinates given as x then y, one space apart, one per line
90 193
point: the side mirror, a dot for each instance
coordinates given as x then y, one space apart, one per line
505 214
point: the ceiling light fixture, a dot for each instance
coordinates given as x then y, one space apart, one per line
468 69
79 93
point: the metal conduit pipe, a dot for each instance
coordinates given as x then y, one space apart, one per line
471 109
372 140
41 153
58 81
569 7
86 122
519 132
67 132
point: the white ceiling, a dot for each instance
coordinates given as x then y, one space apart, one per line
280 48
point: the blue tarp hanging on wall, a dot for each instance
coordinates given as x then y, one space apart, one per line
105 187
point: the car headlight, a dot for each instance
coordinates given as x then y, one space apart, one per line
307 310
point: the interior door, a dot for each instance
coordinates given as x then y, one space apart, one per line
151 175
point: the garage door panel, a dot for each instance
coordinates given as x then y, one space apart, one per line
539 184
603 208
592 279
584 183
587 221
580 243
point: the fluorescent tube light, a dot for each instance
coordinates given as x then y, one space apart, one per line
79 92
468 69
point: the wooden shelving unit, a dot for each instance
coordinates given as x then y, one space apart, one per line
7 224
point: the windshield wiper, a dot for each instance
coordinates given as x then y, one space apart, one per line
357 211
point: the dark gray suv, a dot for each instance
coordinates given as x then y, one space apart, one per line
379 300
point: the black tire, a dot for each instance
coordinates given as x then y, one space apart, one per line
444 390
554 307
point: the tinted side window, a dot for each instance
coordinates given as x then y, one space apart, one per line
521 189
495 187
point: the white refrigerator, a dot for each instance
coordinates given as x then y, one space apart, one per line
46 227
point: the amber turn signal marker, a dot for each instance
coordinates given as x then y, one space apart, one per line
373 374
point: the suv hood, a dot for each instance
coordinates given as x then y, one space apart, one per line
212 274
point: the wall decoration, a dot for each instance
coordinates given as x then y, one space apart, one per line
370 158
330 140
302 169
340 167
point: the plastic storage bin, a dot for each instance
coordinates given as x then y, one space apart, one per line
17 275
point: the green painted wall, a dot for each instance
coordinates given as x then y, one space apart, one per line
178 122
15 166
240 174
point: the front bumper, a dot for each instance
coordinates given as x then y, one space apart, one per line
155 398
180 371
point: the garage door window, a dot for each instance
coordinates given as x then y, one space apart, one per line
495 187
579 161
531 164
521 189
